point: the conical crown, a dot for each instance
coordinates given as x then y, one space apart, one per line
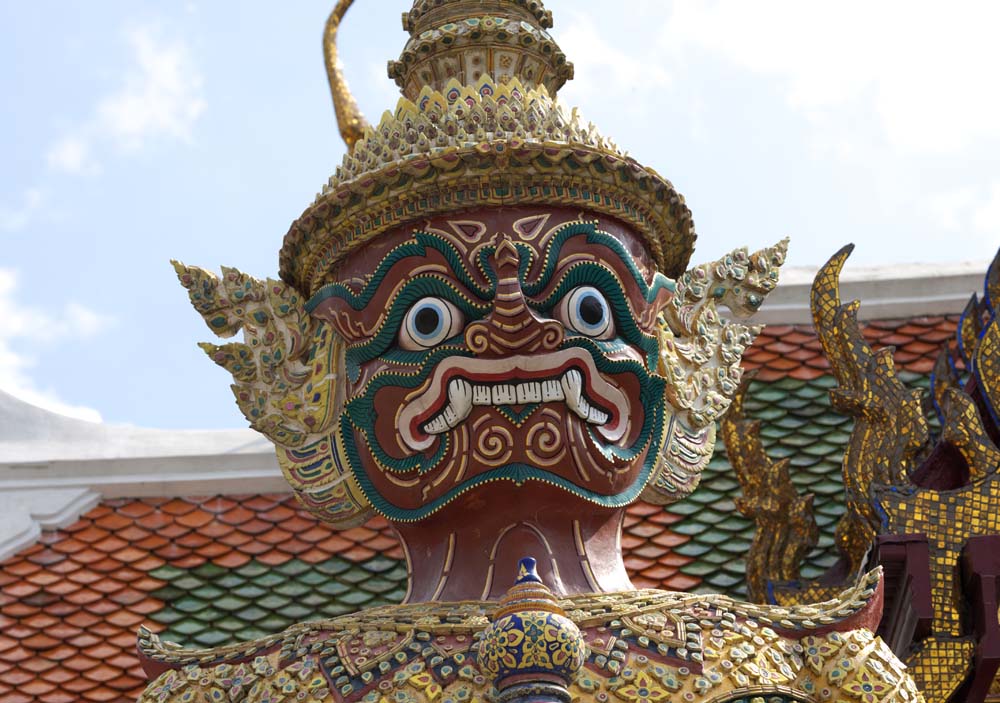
477 126
465 39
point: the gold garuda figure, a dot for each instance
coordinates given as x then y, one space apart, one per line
486 331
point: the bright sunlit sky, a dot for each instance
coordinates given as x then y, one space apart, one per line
133 132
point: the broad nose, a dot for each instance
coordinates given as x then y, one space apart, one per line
511 327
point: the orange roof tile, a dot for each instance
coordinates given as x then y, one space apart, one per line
782 351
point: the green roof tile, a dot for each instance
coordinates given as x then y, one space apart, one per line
209 571
295 612
356 597
231 603
208 592
253 569
273 601
333 588
293 567
293 589
167 573
333 567
212 638
189 604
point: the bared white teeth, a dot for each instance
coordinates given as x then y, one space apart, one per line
463 396
552 390
504 394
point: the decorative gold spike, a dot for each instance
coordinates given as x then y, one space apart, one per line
963 429
351 122
889 426
889 431
943 379
785 522
969 327
986 367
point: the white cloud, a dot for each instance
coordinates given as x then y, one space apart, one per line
17 218
986 218
950 210
72 155
161 98
969 210
26 331
927 73
599 62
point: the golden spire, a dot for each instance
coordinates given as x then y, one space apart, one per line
478 125
349 118
467 39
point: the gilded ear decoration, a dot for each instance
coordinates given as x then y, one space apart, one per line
285 369
326 488
287 375
703 371
700 355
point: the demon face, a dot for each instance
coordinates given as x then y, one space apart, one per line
514 344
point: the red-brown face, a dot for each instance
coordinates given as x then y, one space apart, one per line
513 344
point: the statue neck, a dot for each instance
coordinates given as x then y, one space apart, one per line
470 549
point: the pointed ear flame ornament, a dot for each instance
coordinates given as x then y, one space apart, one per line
287 375
700 354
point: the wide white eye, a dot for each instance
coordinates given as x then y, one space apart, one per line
428 323
586 310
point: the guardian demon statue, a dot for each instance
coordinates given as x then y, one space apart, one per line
486 332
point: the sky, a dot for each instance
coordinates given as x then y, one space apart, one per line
134 132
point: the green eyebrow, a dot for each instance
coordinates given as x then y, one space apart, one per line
423 286
423 242
595 236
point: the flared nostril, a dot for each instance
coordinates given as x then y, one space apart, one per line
511 327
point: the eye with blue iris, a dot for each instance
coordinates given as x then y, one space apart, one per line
428 323
585 310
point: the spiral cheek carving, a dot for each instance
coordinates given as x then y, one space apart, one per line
494 446
546 445
552 335
477 338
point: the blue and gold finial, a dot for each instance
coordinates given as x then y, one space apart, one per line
531 649
527 571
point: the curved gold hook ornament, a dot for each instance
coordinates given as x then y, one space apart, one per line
351 122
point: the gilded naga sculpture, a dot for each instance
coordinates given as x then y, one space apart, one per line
486 331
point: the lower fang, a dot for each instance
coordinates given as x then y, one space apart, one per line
597 417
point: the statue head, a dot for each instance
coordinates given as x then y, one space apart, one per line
488 296
512 345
